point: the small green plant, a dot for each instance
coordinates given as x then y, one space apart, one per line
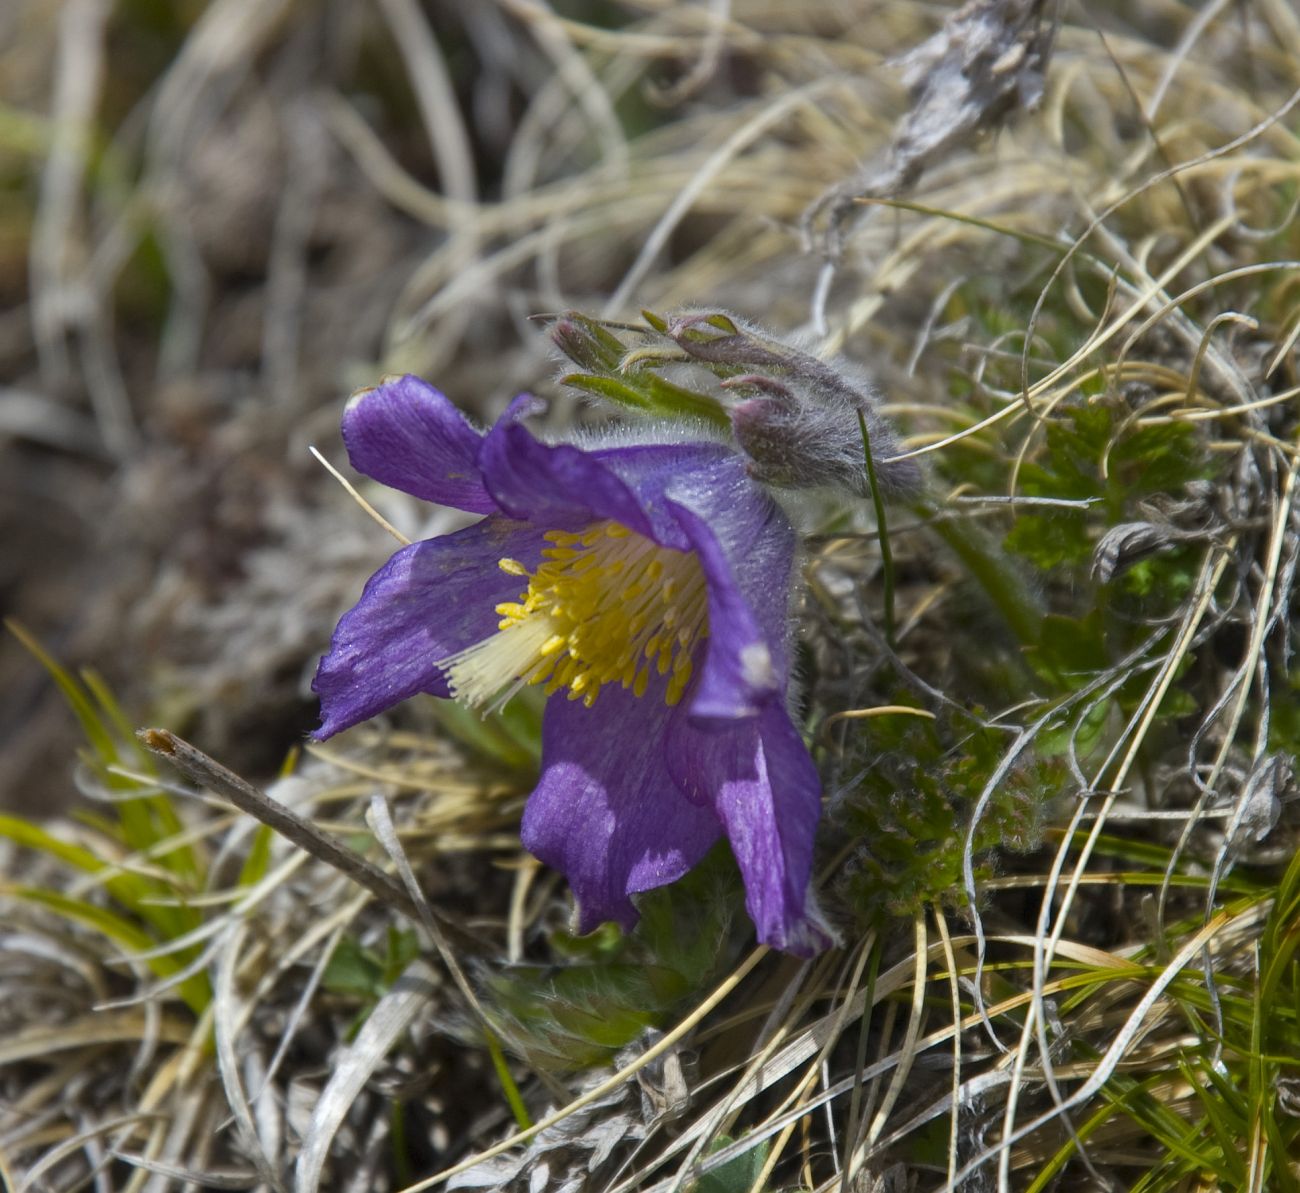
365 974
1217 1100
604 990
1098 452
909 813
738 1174
140 871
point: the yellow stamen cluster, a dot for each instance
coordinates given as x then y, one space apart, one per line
605 606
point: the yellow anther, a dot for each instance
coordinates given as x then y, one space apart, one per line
605 605
677 685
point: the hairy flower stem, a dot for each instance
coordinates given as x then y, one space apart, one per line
1002 583
882 532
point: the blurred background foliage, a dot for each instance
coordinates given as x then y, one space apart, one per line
1057 724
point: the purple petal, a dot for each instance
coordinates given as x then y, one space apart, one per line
558 486
765 789
428 601
565 487
652 471
606 813
745 546
407 435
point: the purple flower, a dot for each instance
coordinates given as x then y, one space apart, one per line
646 588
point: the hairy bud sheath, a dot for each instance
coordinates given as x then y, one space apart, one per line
798 417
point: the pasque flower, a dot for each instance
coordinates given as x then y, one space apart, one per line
646 588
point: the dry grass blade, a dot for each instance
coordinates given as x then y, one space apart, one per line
350 489
211 1178
1133 1027
385 1025
1078 755
652 1053
100 1028
230 1013
50 1160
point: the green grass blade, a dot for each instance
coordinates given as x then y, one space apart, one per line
127 889
88 717
194 991
882 532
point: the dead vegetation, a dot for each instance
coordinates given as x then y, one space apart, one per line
217 219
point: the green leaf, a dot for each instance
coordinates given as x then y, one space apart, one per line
510 739
1051 540
127 889
1072 650
258 860
144 821
909 813
403 947
353 970
576 1015
674 401
1156 458
1055 740
609 389
719 320
648 393
738 1174
92 724
115 927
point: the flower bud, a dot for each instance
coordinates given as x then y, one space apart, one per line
799 420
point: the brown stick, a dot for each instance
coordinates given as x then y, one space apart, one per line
196 766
